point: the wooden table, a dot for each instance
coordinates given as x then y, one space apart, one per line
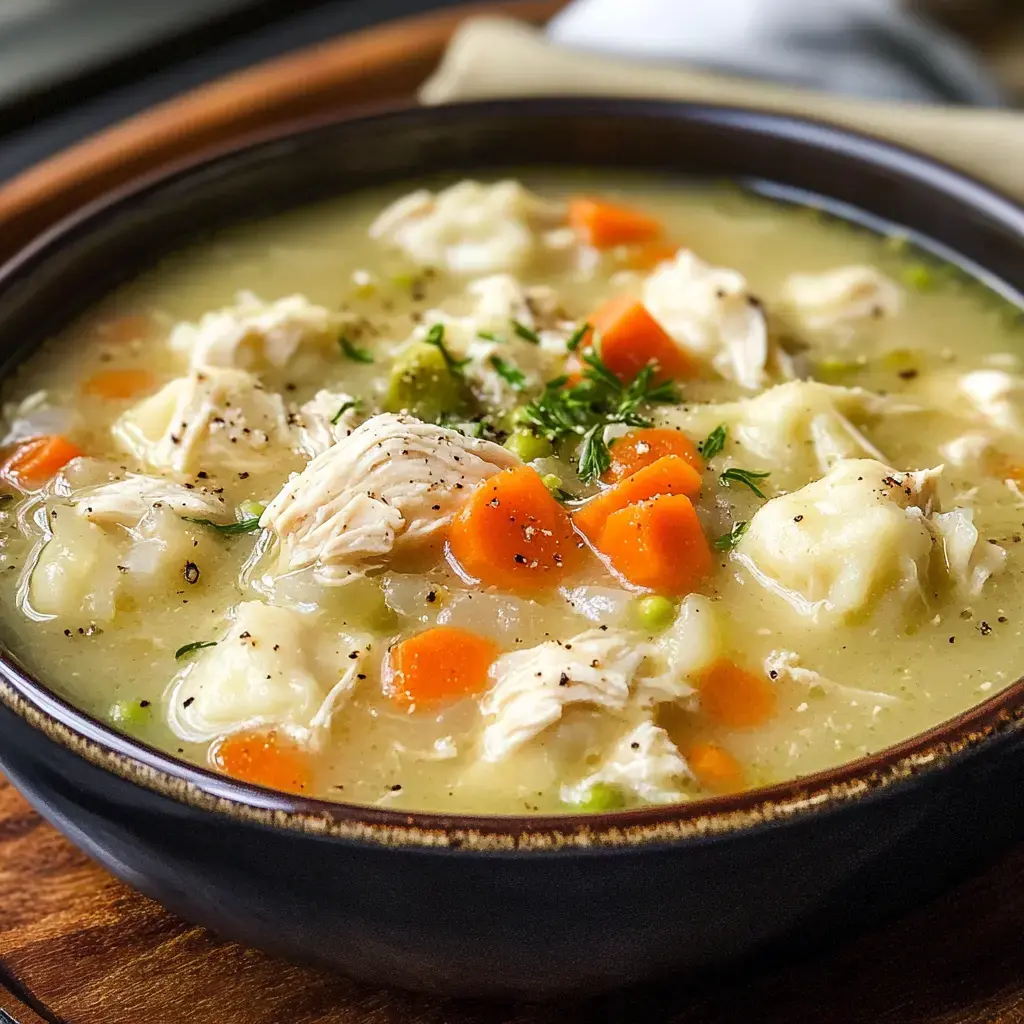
78 947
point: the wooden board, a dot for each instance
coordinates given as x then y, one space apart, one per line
78 947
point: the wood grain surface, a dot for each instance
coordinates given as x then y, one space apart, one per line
77 947
91 951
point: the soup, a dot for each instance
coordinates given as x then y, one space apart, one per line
492 498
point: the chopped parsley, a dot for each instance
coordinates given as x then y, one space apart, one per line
354 352
248 525
515 378
599 400
714 442
435 337
488 336
747 477
526 333
196 645
577 337
729 540
343 408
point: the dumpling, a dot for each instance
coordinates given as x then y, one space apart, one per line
324 420
469 228
392 483
834 547
253 334
218 417
273 667
841 297
644 763
710 311
798 425
998 396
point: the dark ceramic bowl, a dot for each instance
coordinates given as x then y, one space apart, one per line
515 906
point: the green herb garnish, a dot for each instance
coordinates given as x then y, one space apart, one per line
714 442
435 337
243 526
729 540
354 352
196 645
586 408
577 336
515 377
745 477
524 332
344 408
488 336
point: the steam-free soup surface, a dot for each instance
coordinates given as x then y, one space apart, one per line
502 497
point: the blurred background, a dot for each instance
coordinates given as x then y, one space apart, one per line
71 67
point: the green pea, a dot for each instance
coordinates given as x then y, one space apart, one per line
600 797
130 715
919 276
655 612
528 446
252 509
422 383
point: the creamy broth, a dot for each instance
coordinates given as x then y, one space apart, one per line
903 364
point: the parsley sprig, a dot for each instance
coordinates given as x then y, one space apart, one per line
586 408
714 442
747 477
515 377
354 352
729 540
435 337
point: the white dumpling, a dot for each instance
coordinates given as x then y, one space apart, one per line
644 764
272 667
218 417
253 334
392 483
324 420
711 312
840 297
797 424
469 228
835 546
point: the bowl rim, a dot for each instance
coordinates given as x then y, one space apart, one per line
869 777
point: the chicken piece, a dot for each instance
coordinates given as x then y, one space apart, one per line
711 312
125 502
786 424
212 417
254 335
324 420
834 547
998 396
391 484
839 298
969 563
272 667
785 666
469 228
645 764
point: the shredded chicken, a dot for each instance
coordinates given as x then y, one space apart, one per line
786 666
217 417
645 763
125 502
969 562
710 311
836 298
324 420
273 666
392 483
469 228
998 396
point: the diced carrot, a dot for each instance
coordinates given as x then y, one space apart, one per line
630 339
439 665
658 545
716 769
602 224
37 461
668 475
119 384
513 534
646 257
264 759
121 329
641 448
735 697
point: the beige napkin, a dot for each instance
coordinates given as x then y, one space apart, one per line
493 57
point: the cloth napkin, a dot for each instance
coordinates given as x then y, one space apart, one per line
497 57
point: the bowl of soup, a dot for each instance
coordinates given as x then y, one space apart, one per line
521 548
